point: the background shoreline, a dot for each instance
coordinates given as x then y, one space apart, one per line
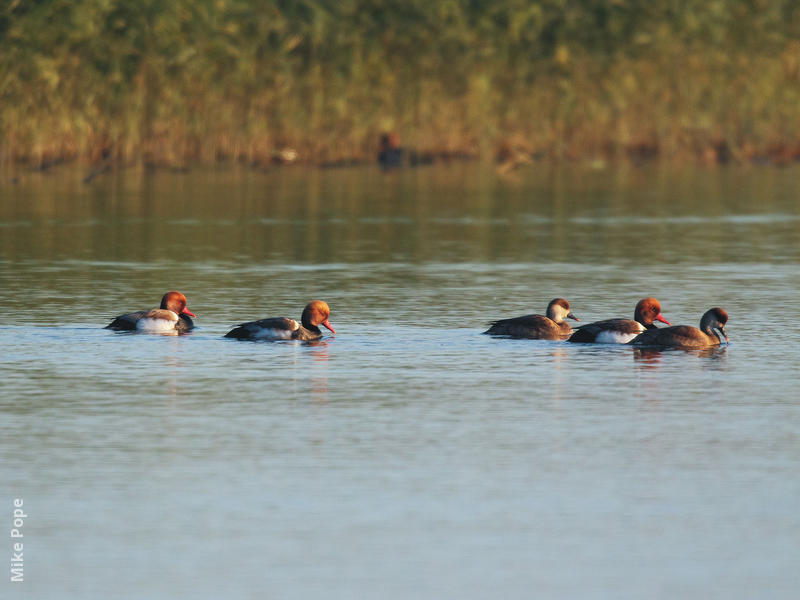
259 82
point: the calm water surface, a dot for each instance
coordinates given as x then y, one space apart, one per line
408 456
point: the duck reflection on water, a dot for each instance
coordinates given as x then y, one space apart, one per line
653 358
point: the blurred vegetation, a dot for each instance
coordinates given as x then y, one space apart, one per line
170 81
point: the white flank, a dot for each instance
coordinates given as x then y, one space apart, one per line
274 334
157 325
278 334
614 337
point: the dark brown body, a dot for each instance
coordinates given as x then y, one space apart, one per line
537 327
686 336
678 336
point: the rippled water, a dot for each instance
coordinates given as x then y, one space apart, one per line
408 455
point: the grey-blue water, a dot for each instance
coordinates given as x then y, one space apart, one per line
408 456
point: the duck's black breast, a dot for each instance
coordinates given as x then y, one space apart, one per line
307 333
184 323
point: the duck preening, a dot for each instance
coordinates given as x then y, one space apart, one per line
621 331
315 313
711 333
537 327
171 316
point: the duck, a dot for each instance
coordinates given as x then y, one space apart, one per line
172 316
537 327
710 333
621 331
315 313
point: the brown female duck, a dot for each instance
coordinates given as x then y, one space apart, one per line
712 326
537 327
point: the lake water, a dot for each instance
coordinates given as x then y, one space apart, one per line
408 456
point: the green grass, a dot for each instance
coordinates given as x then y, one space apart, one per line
172 81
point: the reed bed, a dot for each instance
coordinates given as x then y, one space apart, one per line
169 82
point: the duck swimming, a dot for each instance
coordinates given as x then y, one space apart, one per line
171 316
537 327
621 331
315 313
711 333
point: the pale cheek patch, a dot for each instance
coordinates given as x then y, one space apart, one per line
614 337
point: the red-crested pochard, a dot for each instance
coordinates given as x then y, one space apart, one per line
712 324
171 316
315 313
621 331
537 327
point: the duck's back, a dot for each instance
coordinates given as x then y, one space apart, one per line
529 326
127 322
608 331
278 328
679 336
